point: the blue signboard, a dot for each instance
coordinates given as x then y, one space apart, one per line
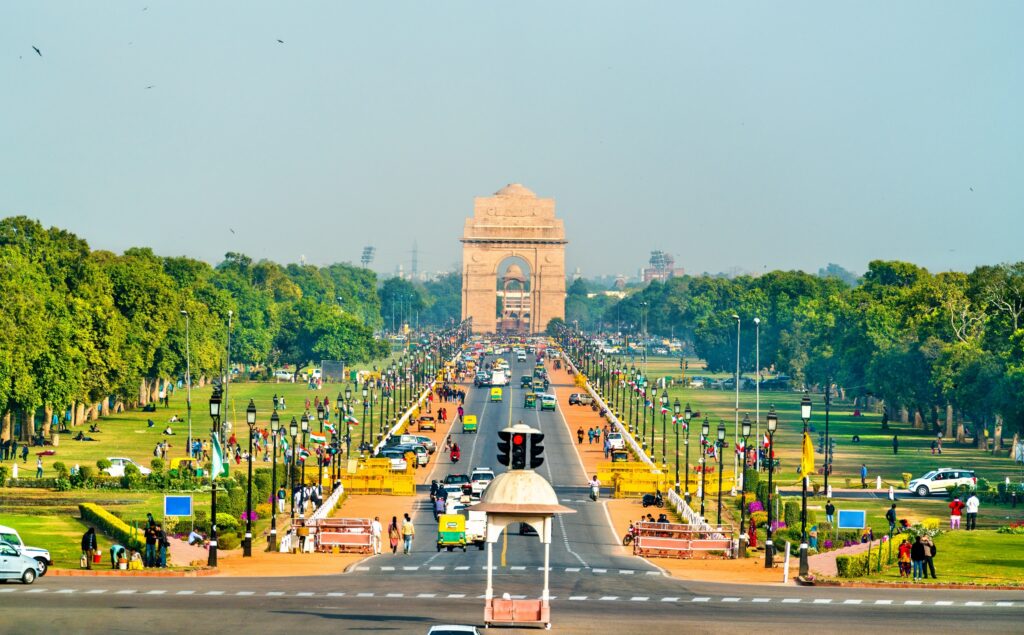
177 505
852 519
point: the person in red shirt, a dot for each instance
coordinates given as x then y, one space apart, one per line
955 510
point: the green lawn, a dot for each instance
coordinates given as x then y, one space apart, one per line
979 557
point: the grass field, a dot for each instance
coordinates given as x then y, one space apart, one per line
977 557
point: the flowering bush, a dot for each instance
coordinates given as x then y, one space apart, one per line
244 516
756 506
758 518
1016 528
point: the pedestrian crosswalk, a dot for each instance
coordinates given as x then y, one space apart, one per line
511 568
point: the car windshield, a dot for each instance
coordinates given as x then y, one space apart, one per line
10 538
930 474
456 478
614 435
483 477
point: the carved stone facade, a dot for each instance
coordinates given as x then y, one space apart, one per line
514 223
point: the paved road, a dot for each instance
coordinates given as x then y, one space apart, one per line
597 587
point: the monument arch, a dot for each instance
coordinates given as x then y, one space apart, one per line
513 249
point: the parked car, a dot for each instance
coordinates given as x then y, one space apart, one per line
398 462
615 441
580 399
941 480
118 463
283 375
16 566
479 479
42 556
697 382
422 456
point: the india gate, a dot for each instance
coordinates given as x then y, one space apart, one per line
513 263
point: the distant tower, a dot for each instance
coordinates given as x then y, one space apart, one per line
415 259
367 256
576 275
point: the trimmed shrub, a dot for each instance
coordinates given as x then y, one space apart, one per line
157 464
61 469
751 479
5 473
228 540
852 566
762 492
791 513
102 464
906 476
759 519
110 525
86 473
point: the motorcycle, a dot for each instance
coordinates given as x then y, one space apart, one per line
455 456
630 536
653 500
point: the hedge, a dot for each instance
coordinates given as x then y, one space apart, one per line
110 525
857 566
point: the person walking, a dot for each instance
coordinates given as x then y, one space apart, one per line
956 509
89 546
375 532
579 436
162 544
895 445
607 447
971 507
903 558
917 558
830 511
929 556
863 476
891 517
408 532
149 558
394 534
39 467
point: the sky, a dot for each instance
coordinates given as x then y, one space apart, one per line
736 136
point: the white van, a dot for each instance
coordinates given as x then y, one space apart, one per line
42 556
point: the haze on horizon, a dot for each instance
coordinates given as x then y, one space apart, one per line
751 136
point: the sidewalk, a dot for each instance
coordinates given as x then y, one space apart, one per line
825 563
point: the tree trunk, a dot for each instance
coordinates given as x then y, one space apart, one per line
154 389
980 440
80 417
143 393
91 413
949 421
118 406
961 433
918 420
904 415
5 426
27 423
47 418
997 436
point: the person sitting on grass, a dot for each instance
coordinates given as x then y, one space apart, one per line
168 431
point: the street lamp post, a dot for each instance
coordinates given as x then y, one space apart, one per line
757 388
772 424
721 447
805 414
275 430
304 424
664 434
736 410
348 428
828 442
687 415
215 417
675 422
362 427
705 429
250 419
745 432
293 428
320 451
188 382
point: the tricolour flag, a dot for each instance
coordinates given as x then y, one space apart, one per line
765 442
317 438
303 453
330 428
351 421
664 410
218 467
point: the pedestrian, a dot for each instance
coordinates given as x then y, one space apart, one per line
830 511
891 517
375 531
895 445
904 559
935 446
971 507
394 534
24 453
590 433
956 508
917 558
162 545
282 496
607 447
149 559
929 555
89 546
439 504
579 436
863 476
408 532
275 401
39 467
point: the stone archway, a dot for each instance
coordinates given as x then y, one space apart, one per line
513 224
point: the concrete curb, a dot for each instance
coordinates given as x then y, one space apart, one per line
911 585
117 573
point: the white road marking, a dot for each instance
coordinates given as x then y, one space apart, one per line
654 573
392 568
669 599
336 594
462 568
305 594
701 599
395 595
518 597
96 591
730 599
1004 603
912 602
883 601
155 592
214 593
761 600
456 595
626 572
822 601
244 593
518 568
791 600
426 595
943 603
575 598
609 598
364 568
974 604
364 595
126 592
599 570
44 591
639 598
410 568
273 593
189 593
8 590
437 568
66 591
572 569
852 601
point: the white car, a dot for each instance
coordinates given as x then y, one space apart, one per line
452 629
615 441
118 463
10 536
479 479
15 566
941 480
283 375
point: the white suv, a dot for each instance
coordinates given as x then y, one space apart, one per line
479 479
10 536
615 441
941 480
118 463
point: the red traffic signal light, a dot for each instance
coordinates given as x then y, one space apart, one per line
518 439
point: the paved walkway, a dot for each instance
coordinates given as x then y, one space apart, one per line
825 563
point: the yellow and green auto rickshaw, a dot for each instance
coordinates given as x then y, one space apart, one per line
469 423
451 531
530 401
495 394
619 456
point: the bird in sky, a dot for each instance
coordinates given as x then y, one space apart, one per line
972 189
231 230
38 52
150 86
280 41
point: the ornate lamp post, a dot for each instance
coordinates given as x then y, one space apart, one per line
362 427
721 448
293 428
250 418
687 415
705 430
304 424
215 432
320 452
275 430
675 422
805 414
745 433
773 424
348 428
664 432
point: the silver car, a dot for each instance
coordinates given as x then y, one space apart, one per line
15 566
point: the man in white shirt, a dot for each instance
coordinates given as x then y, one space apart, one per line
375 532
971 507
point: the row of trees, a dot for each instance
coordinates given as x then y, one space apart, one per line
940 348
79 326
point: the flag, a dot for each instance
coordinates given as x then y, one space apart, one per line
766 443
807 457
664 410
317 438
218 467
303 454
741 448
330 428
351 421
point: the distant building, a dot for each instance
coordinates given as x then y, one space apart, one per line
662 267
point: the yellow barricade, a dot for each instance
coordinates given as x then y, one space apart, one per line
636 485
396 484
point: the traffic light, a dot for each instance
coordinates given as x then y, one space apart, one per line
518 451
504 445
536 450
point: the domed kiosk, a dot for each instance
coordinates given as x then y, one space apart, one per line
519 496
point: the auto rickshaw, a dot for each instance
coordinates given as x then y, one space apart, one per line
469 423
184 465
530 401
451 531
495 394
620 456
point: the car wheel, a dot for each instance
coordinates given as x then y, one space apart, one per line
922 490
28 577
43 567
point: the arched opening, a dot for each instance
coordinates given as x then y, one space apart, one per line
514 307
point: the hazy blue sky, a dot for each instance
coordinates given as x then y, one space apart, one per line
740 134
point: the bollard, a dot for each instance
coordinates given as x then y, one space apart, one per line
785 566
878 482
892 493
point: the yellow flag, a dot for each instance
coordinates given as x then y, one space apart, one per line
807 457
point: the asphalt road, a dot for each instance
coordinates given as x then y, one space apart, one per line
596 586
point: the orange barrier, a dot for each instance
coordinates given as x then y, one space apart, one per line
674 540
